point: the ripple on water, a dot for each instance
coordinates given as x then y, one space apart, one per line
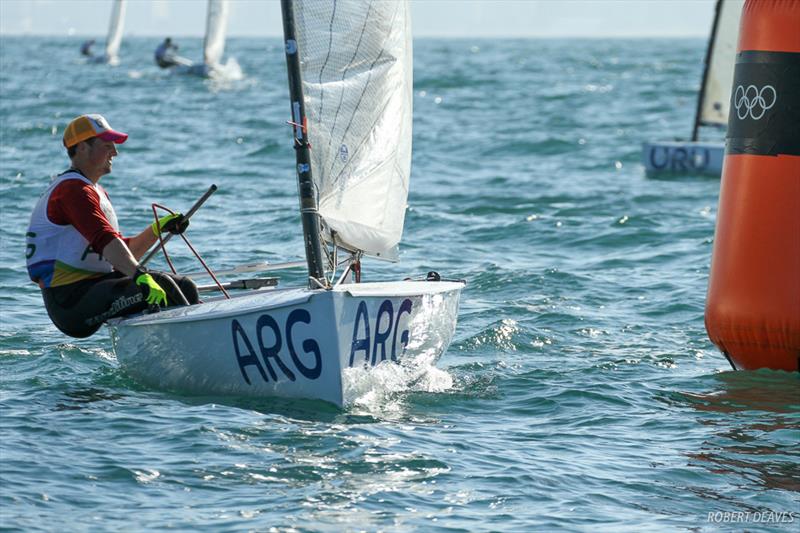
580 391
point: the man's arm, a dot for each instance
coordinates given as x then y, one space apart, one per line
77 203
140 244
120 256
174 223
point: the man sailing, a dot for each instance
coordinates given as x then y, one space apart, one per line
87 271
166 55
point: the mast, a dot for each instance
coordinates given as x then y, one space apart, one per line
309 210
710 50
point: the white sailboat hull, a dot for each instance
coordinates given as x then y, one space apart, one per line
683 157
293 343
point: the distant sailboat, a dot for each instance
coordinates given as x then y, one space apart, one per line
214 45
114 39
713 103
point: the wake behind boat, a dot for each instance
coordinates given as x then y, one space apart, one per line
713 103
350 79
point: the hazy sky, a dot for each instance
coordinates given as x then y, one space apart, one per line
464 18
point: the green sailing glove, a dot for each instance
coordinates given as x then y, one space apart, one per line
155 294
175 224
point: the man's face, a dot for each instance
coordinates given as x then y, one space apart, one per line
99 156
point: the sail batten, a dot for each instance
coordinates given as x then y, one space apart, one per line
357 83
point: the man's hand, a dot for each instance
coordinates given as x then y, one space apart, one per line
175 224
155 294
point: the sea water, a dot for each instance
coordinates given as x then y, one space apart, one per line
580 392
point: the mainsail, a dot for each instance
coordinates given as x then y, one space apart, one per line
356 64
115 28
715 93
216 27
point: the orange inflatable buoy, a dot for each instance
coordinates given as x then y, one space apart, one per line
753 305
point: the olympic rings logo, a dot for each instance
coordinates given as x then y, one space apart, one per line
754 101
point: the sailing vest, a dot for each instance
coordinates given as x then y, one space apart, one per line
60 255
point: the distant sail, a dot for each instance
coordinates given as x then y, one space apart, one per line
357 79
718 80
216 28
115 29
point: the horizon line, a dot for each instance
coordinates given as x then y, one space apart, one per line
503 37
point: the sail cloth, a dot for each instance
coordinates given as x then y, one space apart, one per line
722 59
216 28
115 28
356 63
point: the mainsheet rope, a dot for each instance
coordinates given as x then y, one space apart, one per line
163 244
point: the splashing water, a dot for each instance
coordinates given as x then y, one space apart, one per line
384 384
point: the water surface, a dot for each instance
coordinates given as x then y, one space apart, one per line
580 393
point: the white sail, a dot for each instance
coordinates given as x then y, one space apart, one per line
115 29
722 59
216 27
357 80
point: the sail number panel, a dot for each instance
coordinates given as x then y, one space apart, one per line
271 346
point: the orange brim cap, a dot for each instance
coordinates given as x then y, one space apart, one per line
88 126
